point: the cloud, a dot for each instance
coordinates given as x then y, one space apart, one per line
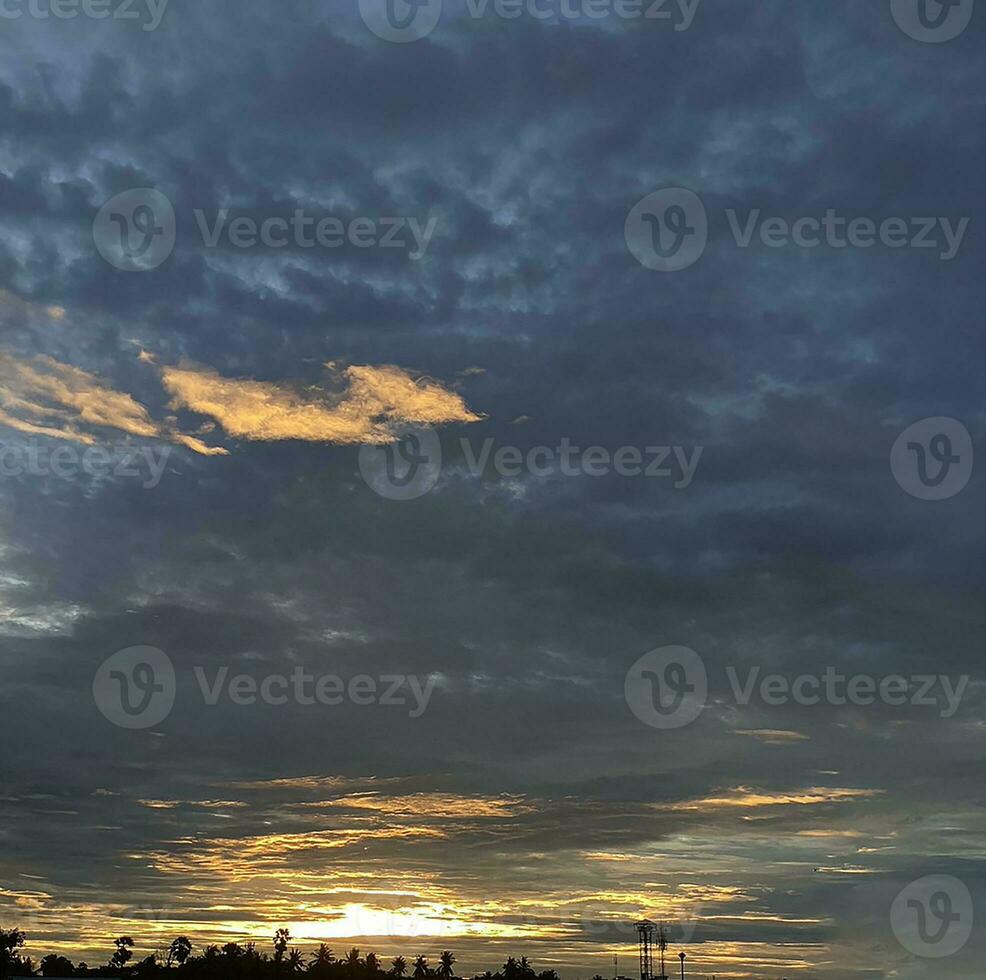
11 302
374 403
744 798
773 736
431 804
46 397
365 404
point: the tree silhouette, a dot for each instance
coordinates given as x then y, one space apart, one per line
122 956
9 941
233 961
353 962
321 960
281 939
232 951
179 950
56 966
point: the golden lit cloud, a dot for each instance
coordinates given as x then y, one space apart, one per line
204 804
345 783
431 805
743 797
47 394
42 396
364 404
360 404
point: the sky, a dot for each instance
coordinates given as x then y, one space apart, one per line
473 475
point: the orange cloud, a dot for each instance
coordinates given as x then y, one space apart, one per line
431 805
369 404
744 798
362 404
45 397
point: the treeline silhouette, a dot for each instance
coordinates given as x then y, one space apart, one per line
234 961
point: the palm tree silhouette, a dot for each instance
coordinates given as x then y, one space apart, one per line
353 962
421 968
321 959
446 961
398 966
